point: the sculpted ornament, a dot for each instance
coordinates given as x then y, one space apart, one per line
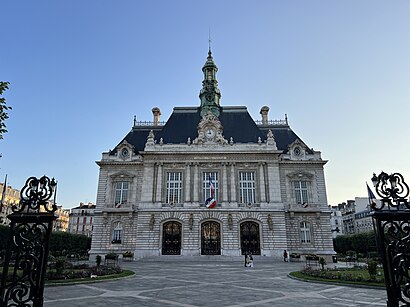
210 131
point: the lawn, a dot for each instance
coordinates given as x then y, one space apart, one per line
351 276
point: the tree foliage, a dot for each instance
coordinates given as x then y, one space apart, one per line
3 108
61 243
363 243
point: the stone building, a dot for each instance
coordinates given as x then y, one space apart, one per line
81 219
157 187
11 197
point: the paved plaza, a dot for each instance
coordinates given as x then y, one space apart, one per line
202 282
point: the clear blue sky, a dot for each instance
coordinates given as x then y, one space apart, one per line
79 71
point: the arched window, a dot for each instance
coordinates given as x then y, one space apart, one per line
305 235
117 233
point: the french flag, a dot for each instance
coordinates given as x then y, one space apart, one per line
211 186
210 202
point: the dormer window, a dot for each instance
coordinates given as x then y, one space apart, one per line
297 151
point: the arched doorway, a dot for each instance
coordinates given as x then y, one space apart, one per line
171 238
250 238
210 238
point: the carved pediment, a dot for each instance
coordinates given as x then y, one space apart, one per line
125 150
297 150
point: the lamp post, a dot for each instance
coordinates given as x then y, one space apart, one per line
392 227
31 223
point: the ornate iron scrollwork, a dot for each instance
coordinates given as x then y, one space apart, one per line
392 189
392 225
27 249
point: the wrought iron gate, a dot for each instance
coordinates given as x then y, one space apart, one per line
210 238
31 224
391 218
171 238
250 238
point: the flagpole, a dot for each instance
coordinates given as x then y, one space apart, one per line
3 193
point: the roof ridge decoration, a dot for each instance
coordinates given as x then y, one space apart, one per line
150 139
270 141
210 131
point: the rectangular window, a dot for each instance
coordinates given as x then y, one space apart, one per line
174 188
210 185
247 187
117 231
305 232
301 192
121 193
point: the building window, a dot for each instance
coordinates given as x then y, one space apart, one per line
174 188
117 232
301 192
121 193
210 185
246 187
305 232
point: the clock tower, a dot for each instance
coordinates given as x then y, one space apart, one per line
210 94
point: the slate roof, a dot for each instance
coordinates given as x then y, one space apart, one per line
236 121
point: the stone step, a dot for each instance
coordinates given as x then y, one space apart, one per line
207 258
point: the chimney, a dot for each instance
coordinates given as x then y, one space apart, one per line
264 112
157 114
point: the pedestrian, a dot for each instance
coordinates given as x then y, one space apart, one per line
250 261
285 255
246 260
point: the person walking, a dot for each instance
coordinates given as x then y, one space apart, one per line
285 256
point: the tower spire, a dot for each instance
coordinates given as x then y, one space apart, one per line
210 93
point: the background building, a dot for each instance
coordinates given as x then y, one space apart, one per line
81 219
352 216
61 223
157 187
12 196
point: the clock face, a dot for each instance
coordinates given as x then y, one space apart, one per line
297 151
124 153
210 133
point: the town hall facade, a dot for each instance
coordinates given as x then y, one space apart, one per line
211 181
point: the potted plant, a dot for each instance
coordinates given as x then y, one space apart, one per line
128 254
111 256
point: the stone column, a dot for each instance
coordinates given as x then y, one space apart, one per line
262 193
233 183
224 183
267 187
159 183
196 183
187 182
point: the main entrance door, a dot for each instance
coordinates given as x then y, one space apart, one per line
210 238
250 242
171 238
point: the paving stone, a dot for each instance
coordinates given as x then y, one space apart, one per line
198 282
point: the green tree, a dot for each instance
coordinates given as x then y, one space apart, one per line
3 108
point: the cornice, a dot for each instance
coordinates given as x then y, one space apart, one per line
322 162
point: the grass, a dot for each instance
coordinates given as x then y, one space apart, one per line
353 276
60 282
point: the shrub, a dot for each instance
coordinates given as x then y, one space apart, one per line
60 265
372 268
322 262
98 260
